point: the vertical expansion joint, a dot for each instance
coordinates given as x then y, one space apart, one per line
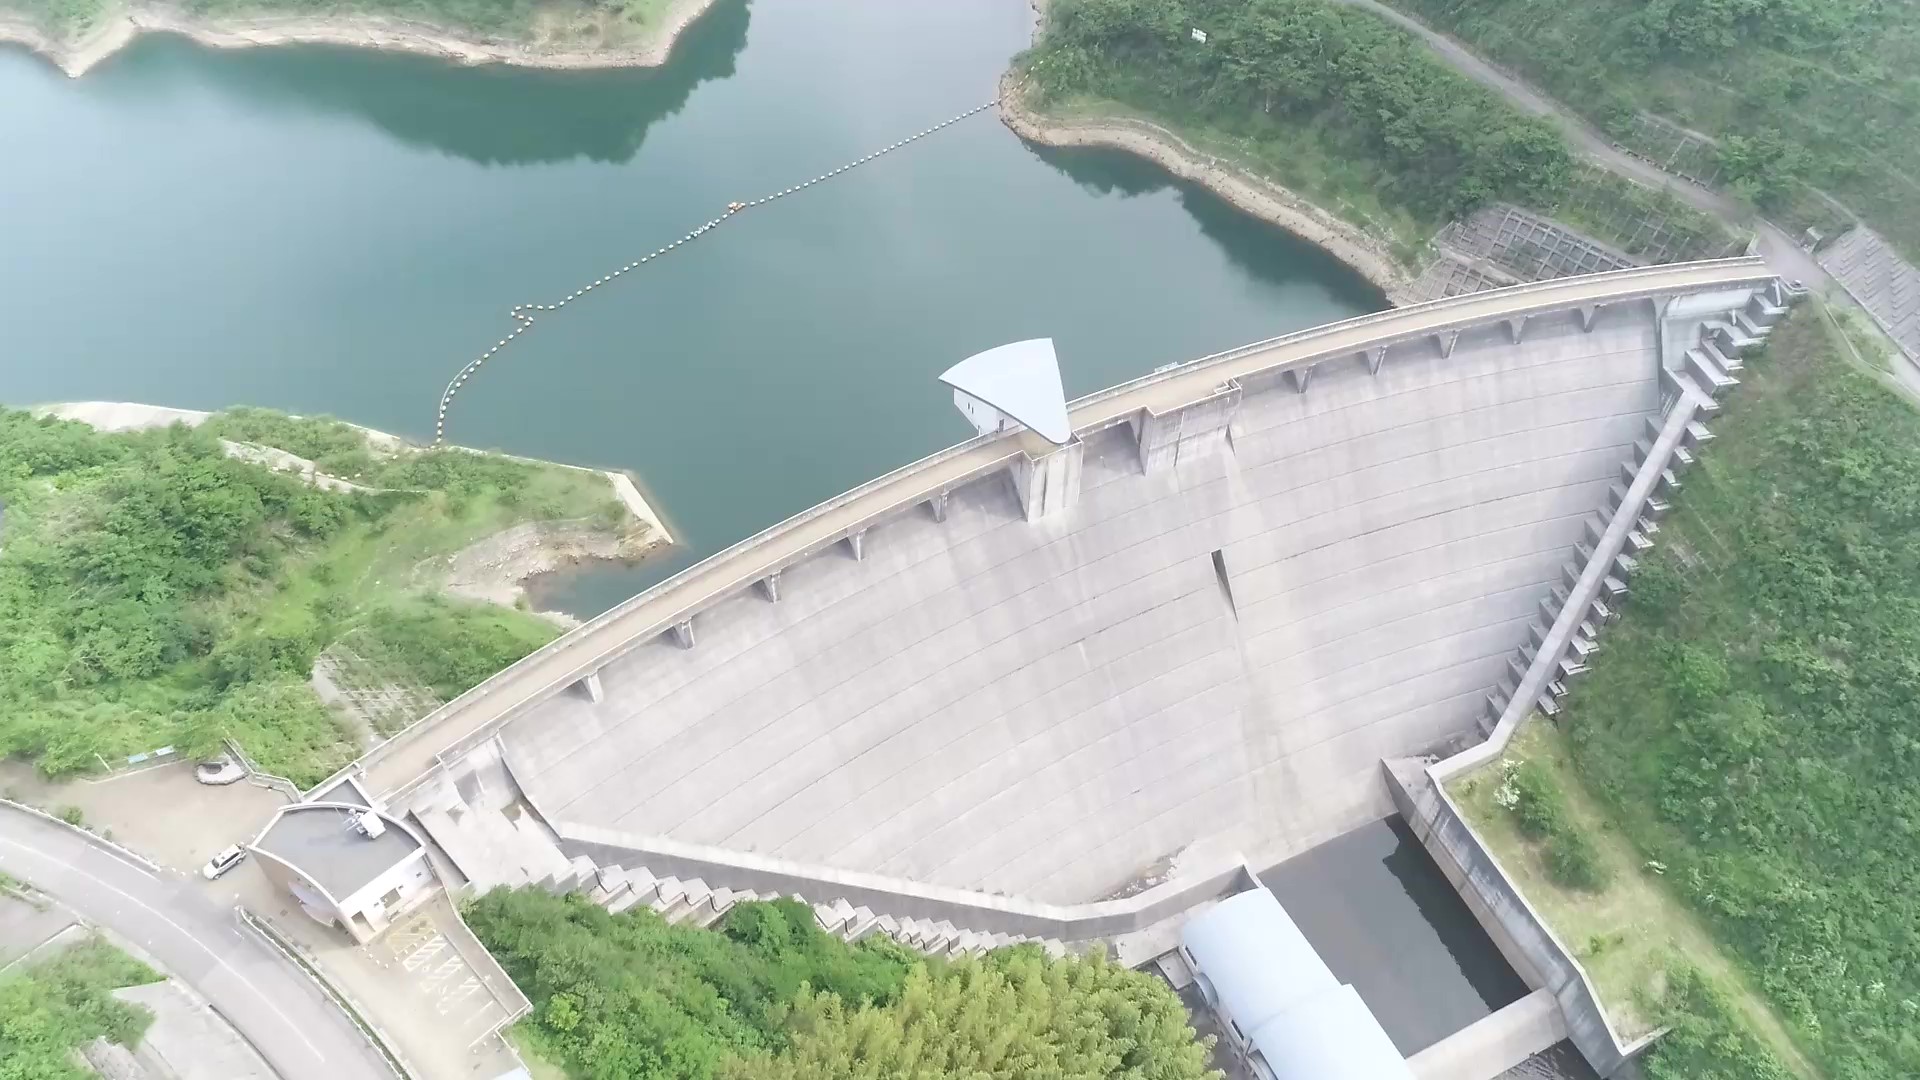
1374 358
1588 314
857 543
938 504
1446 340
683 633
770 587
1516 327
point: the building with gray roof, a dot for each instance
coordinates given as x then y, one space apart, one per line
347 863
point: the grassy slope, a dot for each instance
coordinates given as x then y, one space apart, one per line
55 1006
1846 95
218 639
1749 725
1627 935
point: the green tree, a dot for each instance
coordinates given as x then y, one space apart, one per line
1011 1015
632 997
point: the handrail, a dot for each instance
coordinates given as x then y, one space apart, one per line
1153 394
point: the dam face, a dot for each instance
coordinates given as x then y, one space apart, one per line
1217 651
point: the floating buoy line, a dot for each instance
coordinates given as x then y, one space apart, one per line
525 315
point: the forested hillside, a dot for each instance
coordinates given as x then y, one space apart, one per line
1751 724
156 591
1328 100
769 996
1795 91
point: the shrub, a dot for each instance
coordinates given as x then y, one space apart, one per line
1537 805
1574 863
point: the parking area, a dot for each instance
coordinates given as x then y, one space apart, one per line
418 954
414 983
161 812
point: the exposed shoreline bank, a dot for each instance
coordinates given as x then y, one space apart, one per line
494 569
1270 202
116 32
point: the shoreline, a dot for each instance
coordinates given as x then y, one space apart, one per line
1270 202
80 55
112 417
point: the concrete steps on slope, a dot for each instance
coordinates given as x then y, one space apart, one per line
1708 371
694 902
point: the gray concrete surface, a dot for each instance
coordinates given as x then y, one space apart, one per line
471 719
1491 1046
28 922
161 812
1878 279
1041 709
301 1034
188 1040
432 1014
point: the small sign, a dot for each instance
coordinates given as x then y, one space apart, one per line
1199 35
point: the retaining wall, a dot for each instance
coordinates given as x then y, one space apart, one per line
980 912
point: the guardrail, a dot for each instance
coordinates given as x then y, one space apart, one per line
92 837
285 947
1154 394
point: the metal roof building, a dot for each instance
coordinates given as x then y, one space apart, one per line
1277 1000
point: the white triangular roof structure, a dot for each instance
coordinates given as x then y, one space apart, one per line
1021 380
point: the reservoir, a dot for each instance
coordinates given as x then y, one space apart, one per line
339 231
336 231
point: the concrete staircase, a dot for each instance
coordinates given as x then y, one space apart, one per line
1712 368
509 846
694 902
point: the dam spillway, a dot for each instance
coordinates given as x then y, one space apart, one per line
1203 627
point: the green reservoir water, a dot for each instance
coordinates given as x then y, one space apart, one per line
336 231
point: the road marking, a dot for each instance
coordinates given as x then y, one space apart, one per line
183 932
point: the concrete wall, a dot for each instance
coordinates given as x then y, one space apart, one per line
1490 1046
1246 604
980 912
1522 936
1418 790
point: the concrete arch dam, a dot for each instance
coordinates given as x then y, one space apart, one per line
1040 671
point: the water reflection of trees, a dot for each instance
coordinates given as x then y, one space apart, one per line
494 114
1264 251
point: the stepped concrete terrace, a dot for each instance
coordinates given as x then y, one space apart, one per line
1198 627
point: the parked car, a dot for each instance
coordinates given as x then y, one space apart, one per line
220 770
225 860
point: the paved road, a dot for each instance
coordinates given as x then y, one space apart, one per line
588 648
293 1025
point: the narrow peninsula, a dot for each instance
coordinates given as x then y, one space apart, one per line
78 34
